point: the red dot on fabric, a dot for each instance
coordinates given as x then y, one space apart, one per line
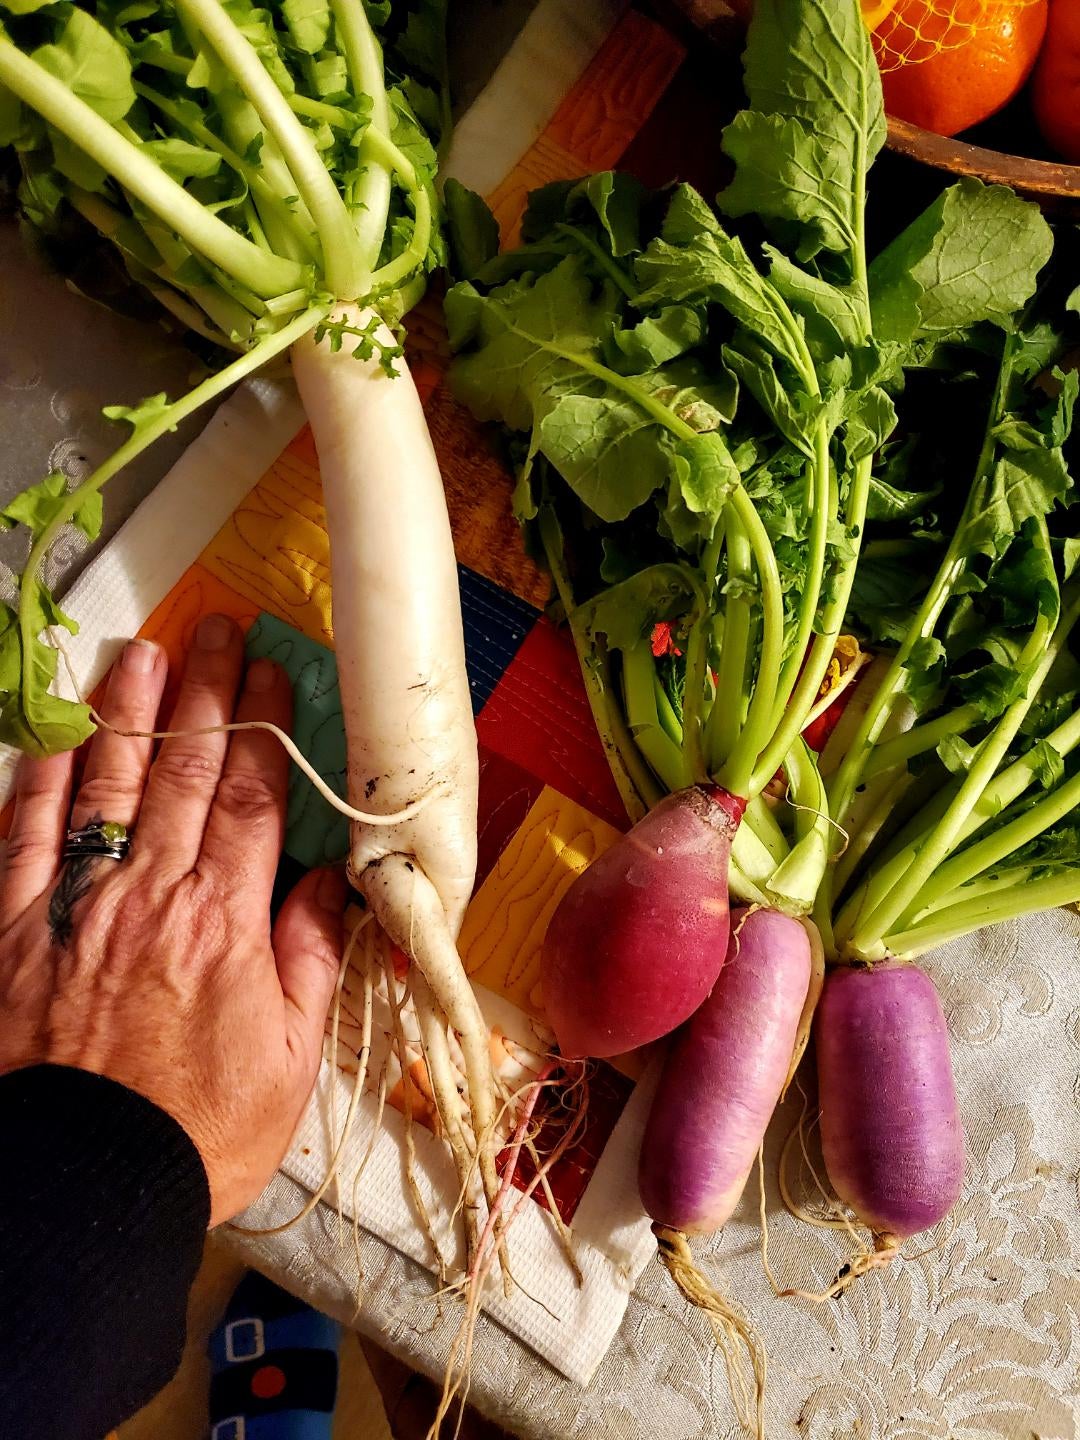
267 1382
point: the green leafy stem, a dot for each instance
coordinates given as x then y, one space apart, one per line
783 692
40 713
886 898
264 273
929 876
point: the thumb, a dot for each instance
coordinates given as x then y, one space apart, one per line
308 940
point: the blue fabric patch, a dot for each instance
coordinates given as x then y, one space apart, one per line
495 622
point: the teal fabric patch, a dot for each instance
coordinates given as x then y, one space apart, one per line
315 834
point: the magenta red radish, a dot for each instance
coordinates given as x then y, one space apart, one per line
638 940
890 1128
724 1075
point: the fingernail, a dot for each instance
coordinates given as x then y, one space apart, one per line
330 891
261 676
213 632
139 657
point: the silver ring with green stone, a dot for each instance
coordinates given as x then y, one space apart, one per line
107 839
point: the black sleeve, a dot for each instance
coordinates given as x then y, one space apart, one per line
104 1206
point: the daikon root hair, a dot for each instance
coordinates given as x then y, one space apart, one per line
456 1379
296 755
436 1049
458 1373
407 1085
532 1094
578 1117
507 1103
408 907
357 1175
732 1331
525 1138
335 1027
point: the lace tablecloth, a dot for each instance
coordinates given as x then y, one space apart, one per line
978 1337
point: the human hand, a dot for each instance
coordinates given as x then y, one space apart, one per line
161 971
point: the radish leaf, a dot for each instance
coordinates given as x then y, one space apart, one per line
91 64
974 255
472 230
30 718
803 148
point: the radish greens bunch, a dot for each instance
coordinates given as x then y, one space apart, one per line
704 420
252 165
956 777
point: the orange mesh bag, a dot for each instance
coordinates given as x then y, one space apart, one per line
948 64
913 33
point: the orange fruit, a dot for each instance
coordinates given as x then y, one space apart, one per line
875 11
947 64
1055 89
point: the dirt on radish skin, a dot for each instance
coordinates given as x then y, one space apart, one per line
724 1075
891 1135
408 713
638 940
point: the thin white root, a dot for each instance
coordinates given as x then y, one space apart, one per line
732 1331
407 1086
540 1169
764 1219
408 907
375 1131
513 1158
544 1165
457 1378
440 1070
886 1247
562 1230
835 1219
394 817
813 995
335 1023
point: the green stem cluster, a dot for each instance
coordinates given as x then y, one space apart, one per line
933 881
736 730
740 771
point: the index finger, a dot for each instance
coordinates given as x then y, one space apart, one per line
32 853
112 783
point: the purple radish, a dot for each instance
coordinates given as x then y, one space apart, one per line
890 1128
720 1084
637 942
724 1075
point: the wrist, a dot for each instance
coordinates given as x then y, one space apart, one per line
106 1224
67 1120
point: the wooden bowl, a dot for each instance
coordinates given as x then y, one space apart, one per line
1053 185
